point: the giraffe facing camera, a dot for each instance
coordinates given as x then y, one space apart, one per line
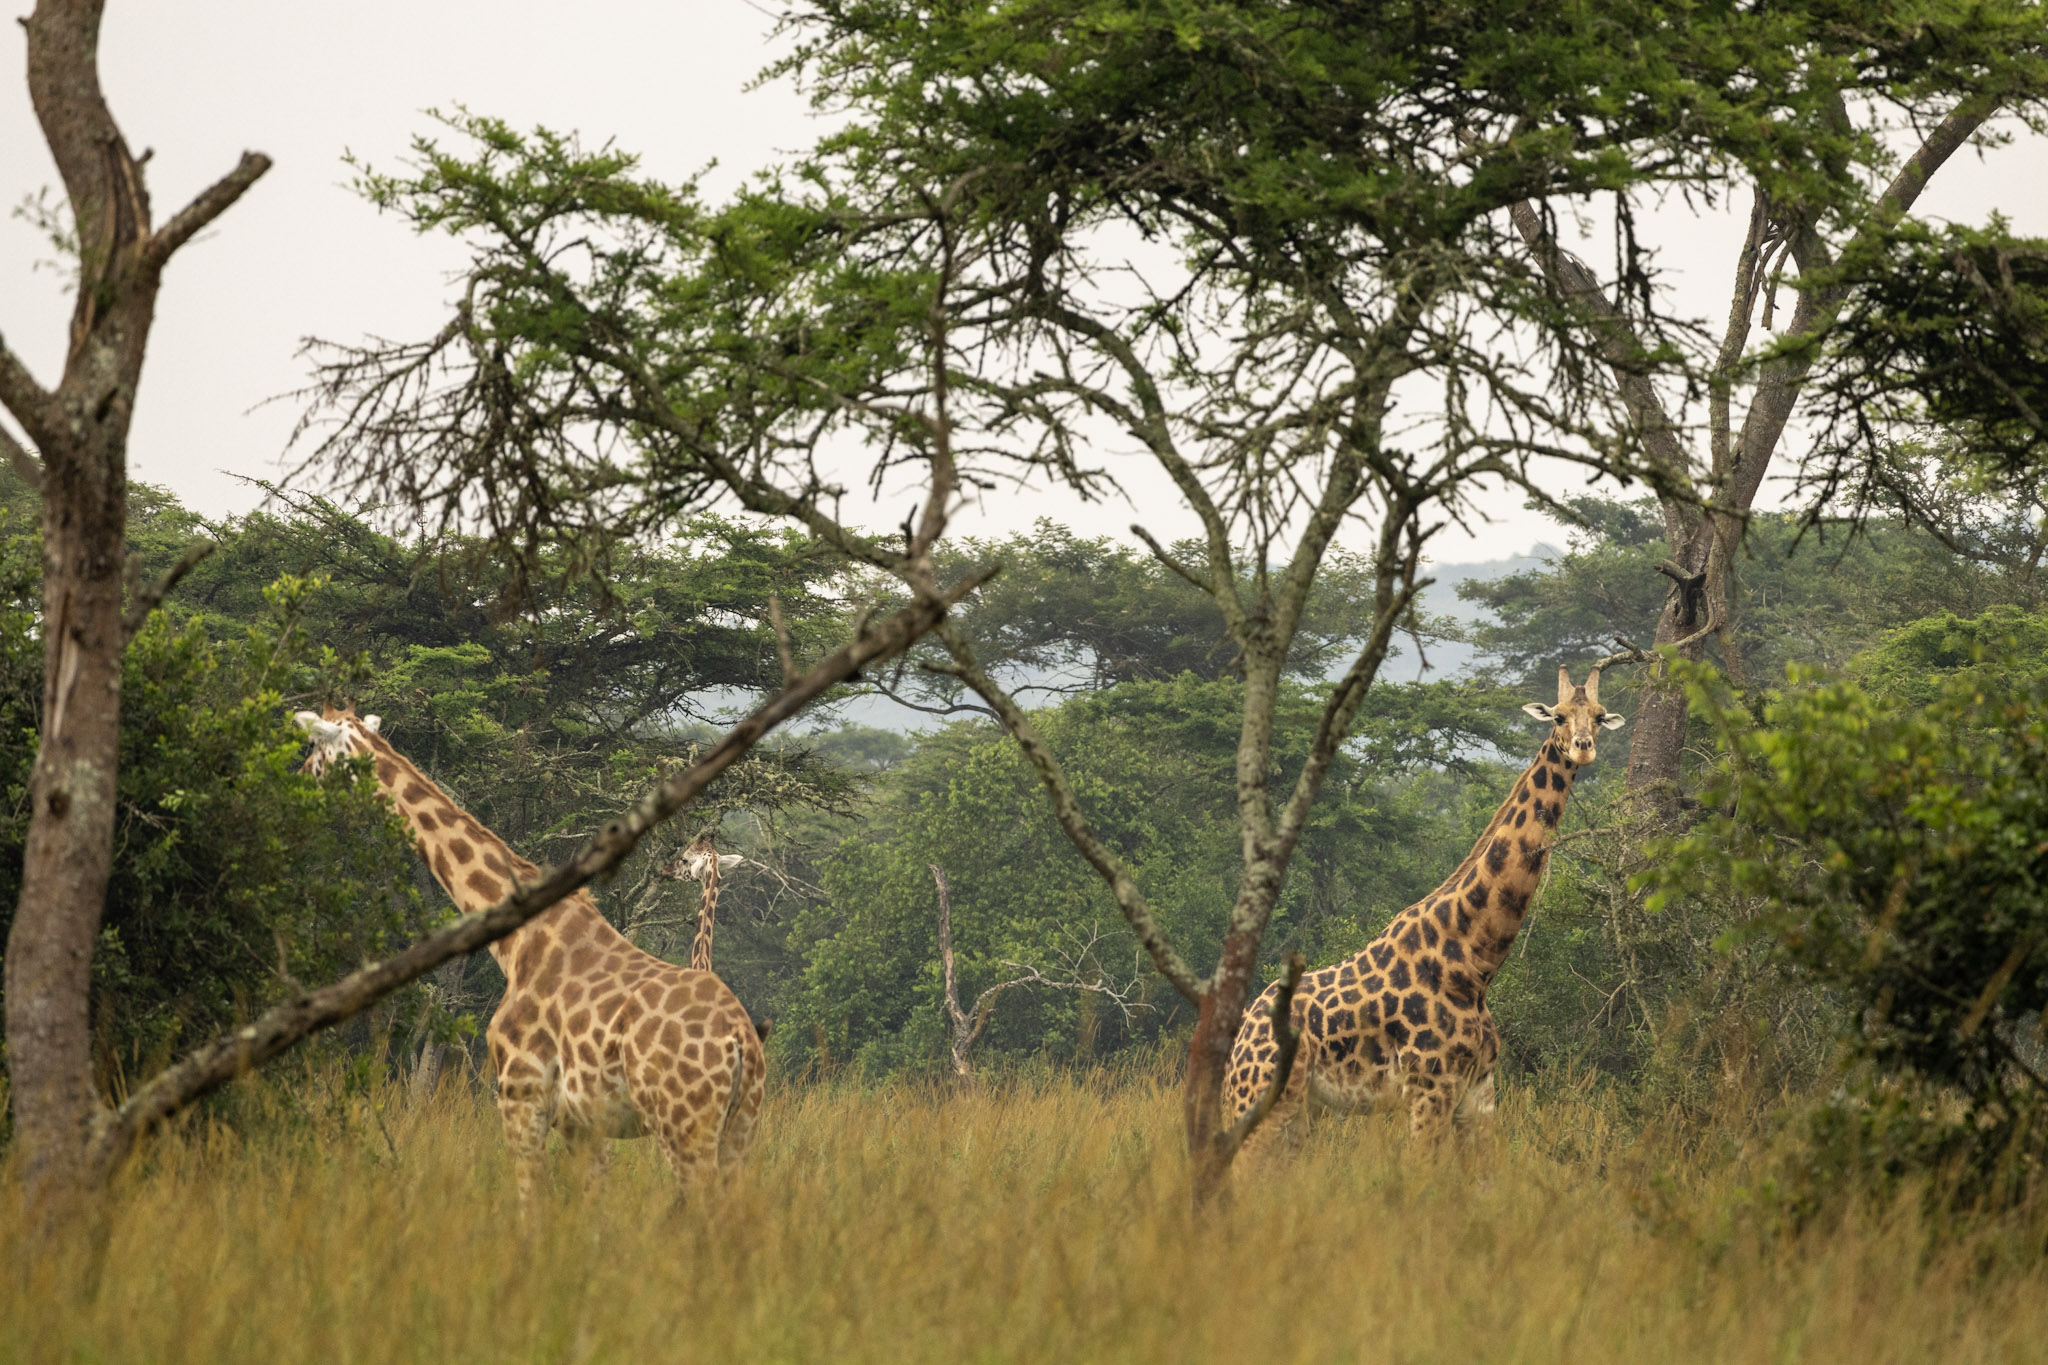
594 1037
1406 1018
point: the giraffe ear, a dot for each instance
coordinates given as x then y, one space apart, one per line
371 723
306 720
728 861
1540 711
1613 721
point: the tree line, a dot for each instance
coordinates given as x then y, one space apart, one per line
1356 219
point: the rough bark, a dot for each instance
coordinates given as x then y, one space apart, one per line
80 433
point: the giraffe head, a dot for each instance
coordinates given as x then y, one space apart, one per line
1576 717
694 862
336 735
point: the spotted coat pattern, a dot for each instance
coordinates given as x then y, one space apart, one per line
595 1038
1407 1016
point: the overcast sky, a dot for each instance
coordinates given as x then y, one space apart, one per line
303 256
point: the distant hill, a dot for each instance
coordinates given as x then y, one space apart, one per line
1441 599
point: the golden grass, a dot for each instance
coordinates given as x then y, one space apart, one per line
1037 1221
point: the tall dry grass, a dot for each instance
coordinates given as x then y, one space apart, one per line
1039 1220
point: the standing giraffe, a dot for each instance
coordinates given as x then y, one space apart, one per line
702 862
1409 1012
593 1036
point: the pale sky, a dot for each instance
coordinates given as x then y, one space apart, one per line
302 256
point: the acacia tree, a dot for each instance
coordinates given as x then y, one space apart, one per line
1933 75
1339 187
940 286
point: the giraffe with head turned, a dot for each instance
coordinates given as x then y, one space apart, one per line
701 862
594 1037
1407 1015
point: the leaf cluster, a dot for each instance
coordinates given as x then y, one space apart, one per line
1896 852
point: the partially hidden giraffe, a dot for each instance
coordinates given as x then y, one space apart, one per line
594 1037
1407 1015
701 862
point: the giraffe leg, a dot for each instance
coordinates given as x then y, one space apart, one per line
523 1106
594 1154
1431 1101
1474 1113
689 1139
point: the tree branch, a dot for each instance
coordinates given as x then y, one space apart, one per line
1631 653
1619 347
932 710
21 395
1067 810
150 598
1288 1044
953 1010
212 201
26 465
1159 553
281 1027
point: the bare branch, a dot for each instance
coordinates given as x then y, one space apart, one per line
150 598
958 709
953 1010
1679 574
1159 553
1632 653
280 1028
1067 810
212 201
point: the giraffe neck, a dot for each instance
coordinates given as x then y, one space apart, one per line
1499 878
707 914
472 864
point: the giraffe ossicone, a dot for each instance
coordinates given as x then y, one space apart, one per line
1407 1015
594 1037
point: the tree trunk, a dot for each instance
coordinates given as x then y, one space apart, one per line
426 1073
1222 1013
964 1025
81 433
70 844
1657 732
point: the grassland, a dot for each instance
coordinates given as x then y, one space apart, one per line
1039 1220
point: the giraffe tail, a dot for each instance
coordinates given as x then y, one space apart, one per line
740 1083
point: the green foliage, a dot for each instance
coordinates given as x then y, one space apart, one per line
235 879
1154 762
1818 596
1947 326
1896 853
2003 653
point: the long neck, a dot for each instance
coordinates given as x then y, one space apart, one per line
474 865
1492 888
707 915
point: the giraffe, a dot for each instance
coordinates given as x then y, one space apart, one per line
1408 1013
701 861
594 1036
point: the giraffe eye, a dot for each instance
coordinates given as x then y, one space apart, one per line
1561 720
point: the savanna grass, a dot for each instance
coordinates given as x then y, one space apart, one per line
1041 1219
